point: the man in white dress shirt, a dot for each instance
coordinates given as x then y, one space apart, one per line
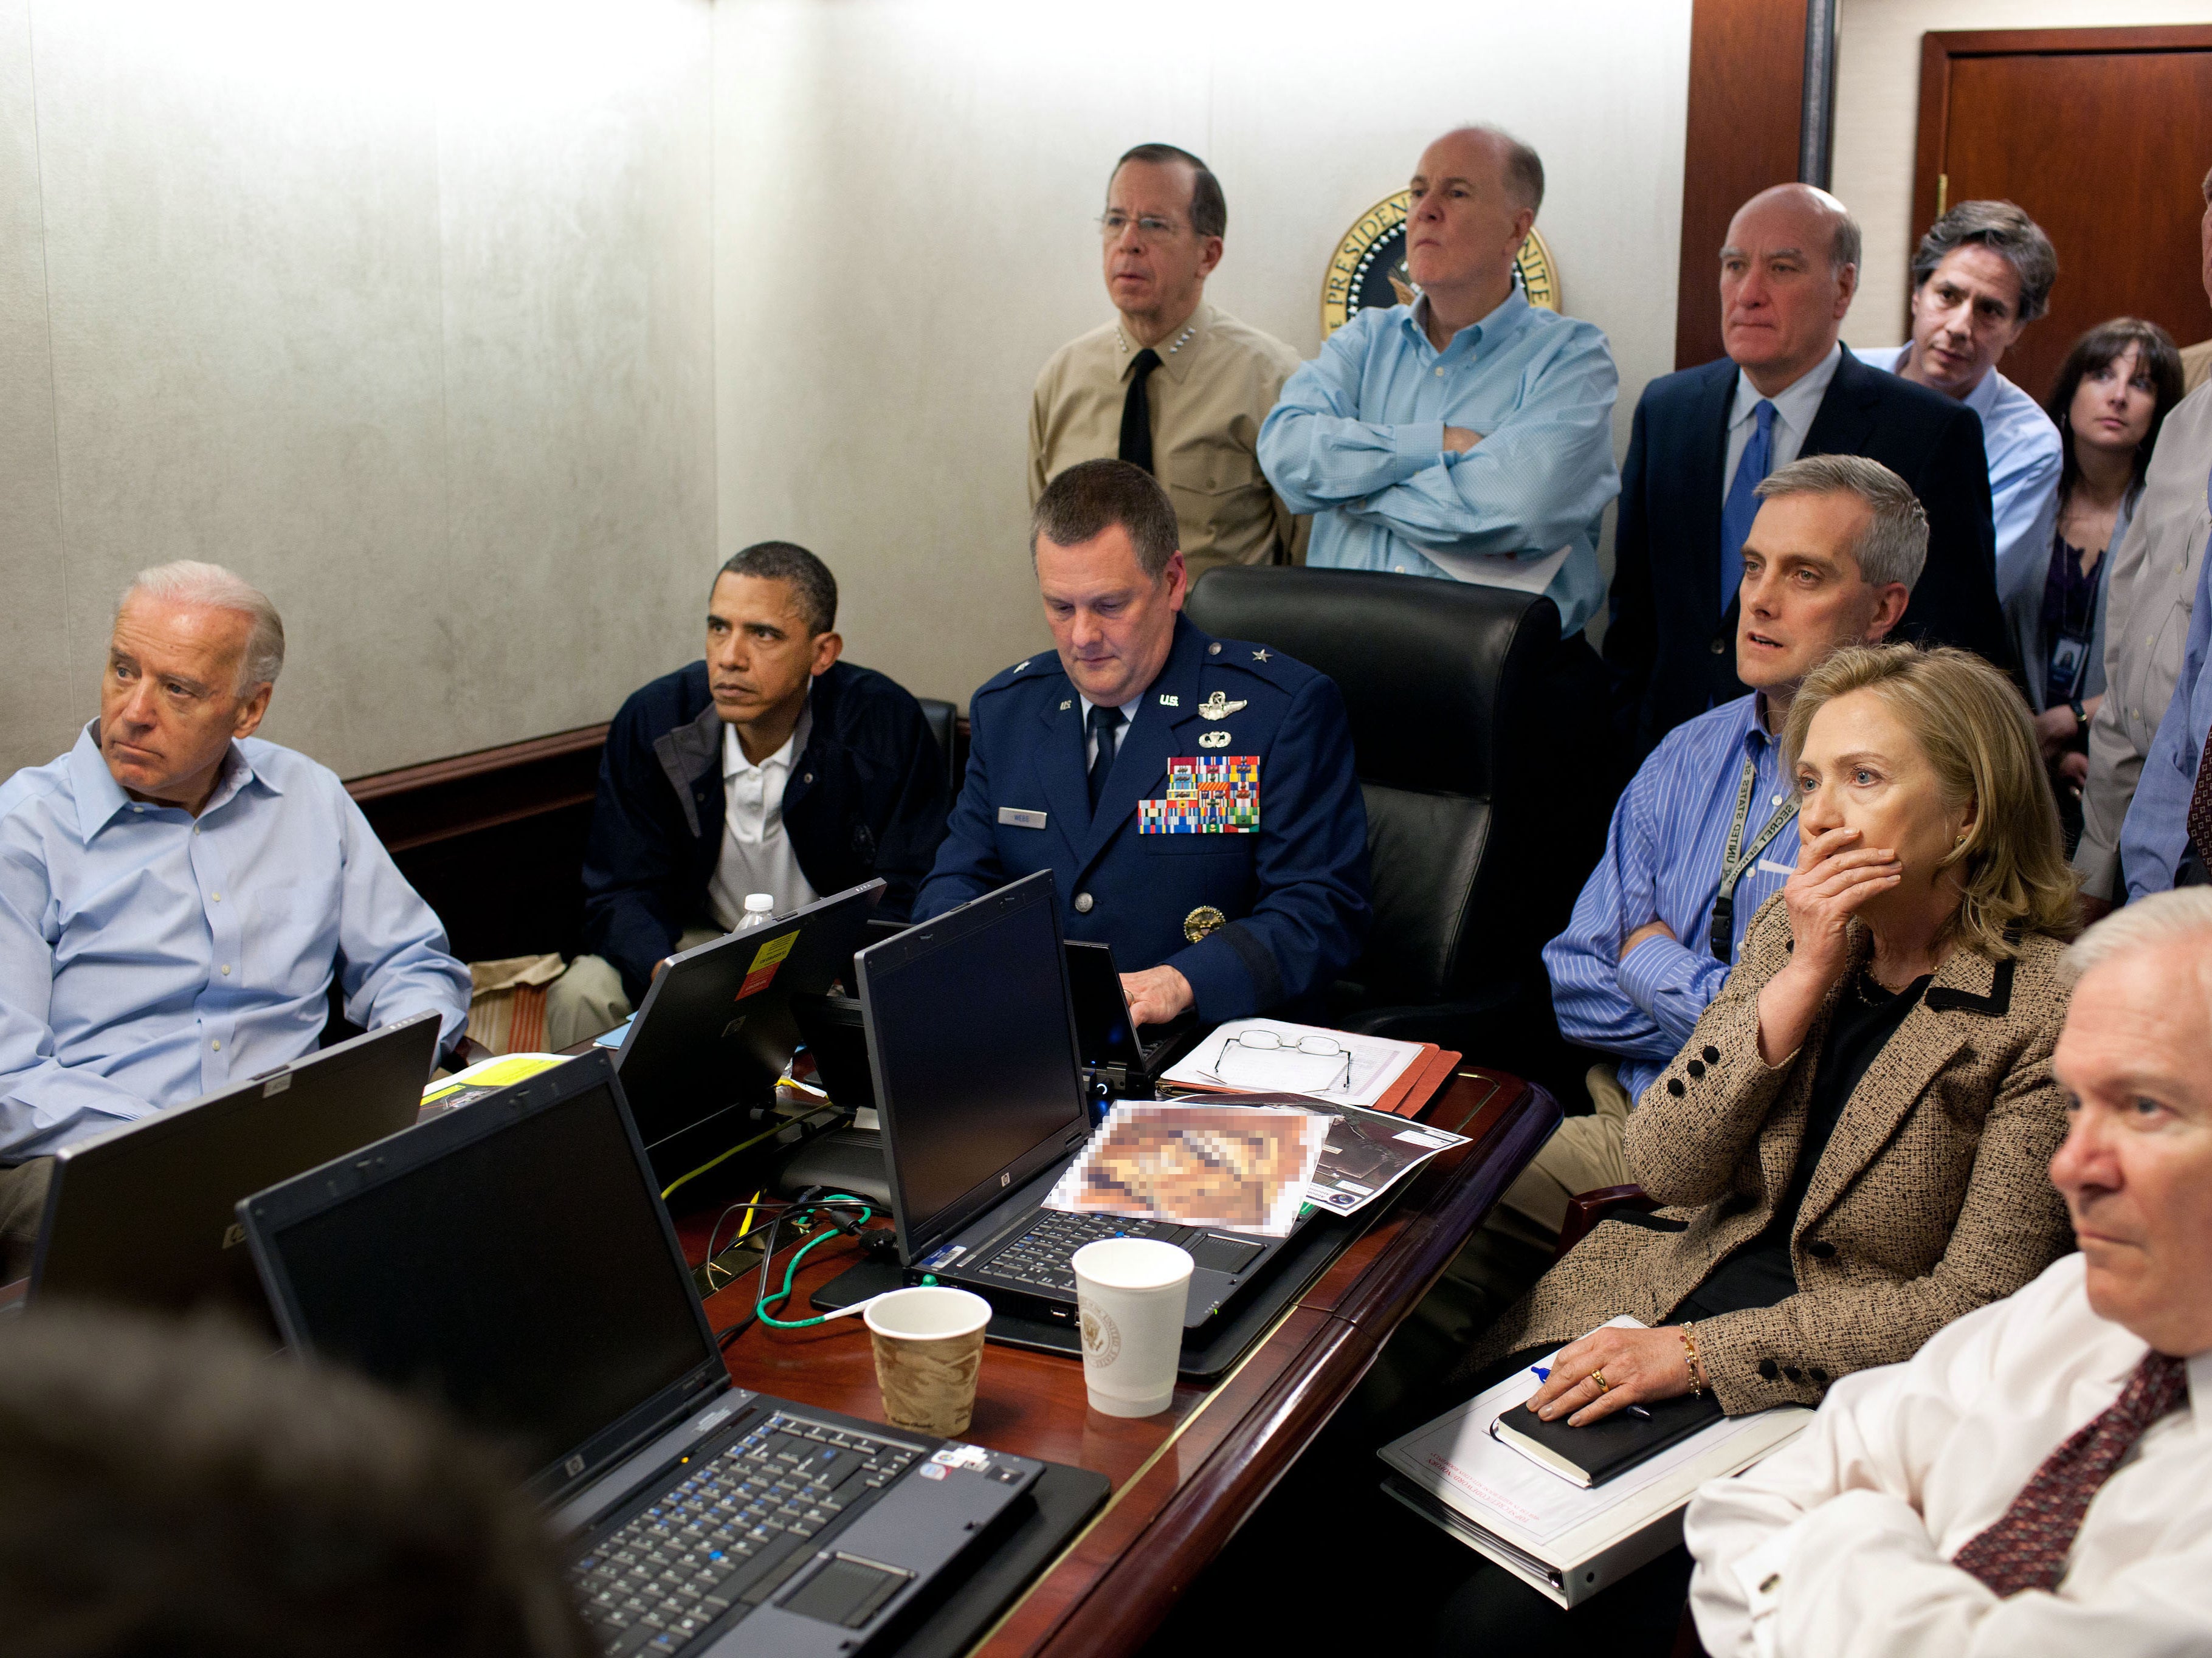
1980 276
2037 1480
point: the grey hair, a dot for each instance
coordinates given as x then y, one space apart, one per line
2004 230
1895 546
1522 167
189 582
2163 918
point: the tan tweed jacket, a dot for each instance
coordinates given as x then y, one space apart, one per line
1932 1198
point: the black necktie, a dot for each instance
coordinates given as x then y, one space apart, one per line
1137 420
1104 722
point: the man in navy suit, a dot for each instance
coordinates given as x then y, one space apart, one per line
1194 797
1703 438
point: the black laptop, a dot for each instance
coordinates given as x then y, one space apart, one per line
145 1214
979 1084
513 1261
1128 1058
715 1028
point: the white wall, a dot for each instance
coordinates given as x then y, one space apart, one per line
1878 120
905 192
403 311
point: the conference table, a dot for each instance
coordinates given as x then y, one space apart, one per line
1182 1481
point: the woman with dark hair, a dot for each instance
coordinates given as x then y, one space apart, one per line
2110 398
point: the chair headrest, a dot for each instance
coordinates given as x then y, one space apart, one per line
1426 667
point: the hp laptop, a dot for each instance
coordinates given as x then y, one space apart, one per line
144 1215
513 1261
980 1087
715 1028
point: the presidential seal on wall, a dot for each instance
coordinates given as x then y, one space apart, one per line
1368 266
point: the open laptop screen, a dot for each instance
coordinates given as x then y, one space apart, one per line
973 1048
526 1277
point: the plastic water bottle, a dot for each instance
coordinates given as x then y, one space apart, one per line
760 910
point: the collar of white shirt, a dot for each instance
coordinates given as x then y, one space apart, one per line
734 763
1795 403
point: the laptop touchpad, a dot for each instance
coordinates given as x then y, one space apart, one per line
1215 1254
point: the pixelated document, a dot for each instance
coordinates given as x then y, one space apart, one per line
1244 1168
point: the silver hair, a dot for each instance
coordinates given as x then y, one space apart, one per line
189 582
2005 231
1894 547
1522 167
2163 918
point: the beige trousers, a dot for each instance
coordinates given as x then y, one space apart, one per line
588 998
1583 1154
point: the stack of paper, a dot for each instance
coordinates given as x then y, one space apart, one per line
1336 1067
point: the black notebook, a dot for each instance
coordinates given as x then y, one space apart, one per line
1592 1456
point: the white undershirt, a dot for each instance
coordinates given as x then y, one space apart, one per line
756 854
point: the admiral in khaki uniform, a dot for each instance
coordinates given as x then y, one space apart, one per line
1070 770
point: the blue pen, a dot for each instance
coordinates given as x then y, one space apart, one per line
1543 1375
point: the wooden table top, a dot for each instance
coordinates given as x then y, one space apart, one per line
1184 1480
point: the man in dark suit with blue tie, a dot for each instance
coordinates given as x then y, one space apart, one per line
1704 437
1194 797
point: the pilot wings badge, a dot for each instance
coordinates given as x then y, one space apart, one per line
1218 706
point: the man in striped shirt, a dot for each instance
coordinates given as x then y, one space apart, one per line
1706 832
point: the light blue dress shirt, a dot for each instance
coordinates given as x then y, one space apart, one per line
2025 457
1356 440
1662 863
146 957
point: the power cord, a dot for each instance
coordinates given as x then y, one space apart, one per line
847 1215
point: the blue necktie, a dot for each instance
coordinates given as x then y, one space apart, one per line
1104 723
1743 504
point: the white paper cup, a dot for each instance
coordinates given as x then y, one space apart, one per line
929 1345
1130 1294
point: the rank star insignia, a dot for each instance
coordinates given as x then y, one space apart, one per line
1213 739
1218 706
1259 656
1201 921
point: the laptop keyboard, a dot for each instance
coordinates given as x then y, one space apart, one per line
730 1534
1040 1258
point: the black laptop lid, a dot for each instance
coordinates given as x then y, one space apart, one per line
146 1215
1102 1012
510 1260
716 1027
972 1043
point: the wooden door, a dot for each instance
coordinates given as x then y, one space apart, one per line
2103 135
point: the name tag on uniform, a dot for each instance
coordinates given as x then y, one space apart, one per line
1021 819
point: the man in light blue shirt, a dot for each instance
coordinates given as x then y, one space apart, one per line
176 894
1467 436
1706 832
1982 273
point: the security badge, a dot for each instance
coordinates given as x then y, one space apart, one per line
1201 921
1208 794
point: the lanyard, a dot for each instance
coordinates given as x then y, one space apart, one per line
1721 934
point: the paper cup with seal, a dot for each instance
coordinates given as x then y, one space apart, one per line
929 1346
1130 1294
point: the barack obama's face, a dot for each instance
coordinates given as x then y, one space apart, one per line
1112 623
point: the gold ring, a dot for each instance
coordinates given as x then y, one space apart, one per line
1603 1386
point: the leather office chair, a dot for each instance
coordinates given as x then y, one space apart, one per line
1454 731
944 723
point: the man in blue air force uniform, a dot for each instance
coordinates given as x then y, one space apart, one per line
1194 797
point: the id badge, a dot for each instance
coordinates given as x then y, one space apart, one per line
2067 655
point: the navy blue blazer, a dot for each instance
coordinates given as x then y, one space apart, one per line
866 797
1293 893
1669 645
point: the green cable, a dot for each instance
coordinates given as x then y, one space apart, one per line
790 1271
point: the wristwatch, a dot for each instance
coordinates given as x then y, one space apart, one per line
2081 715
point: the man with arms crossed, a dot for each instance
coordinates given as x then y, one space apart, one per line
1069 770
2037 1481
1698 841
176 894
771 766
1173 385
1468 435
